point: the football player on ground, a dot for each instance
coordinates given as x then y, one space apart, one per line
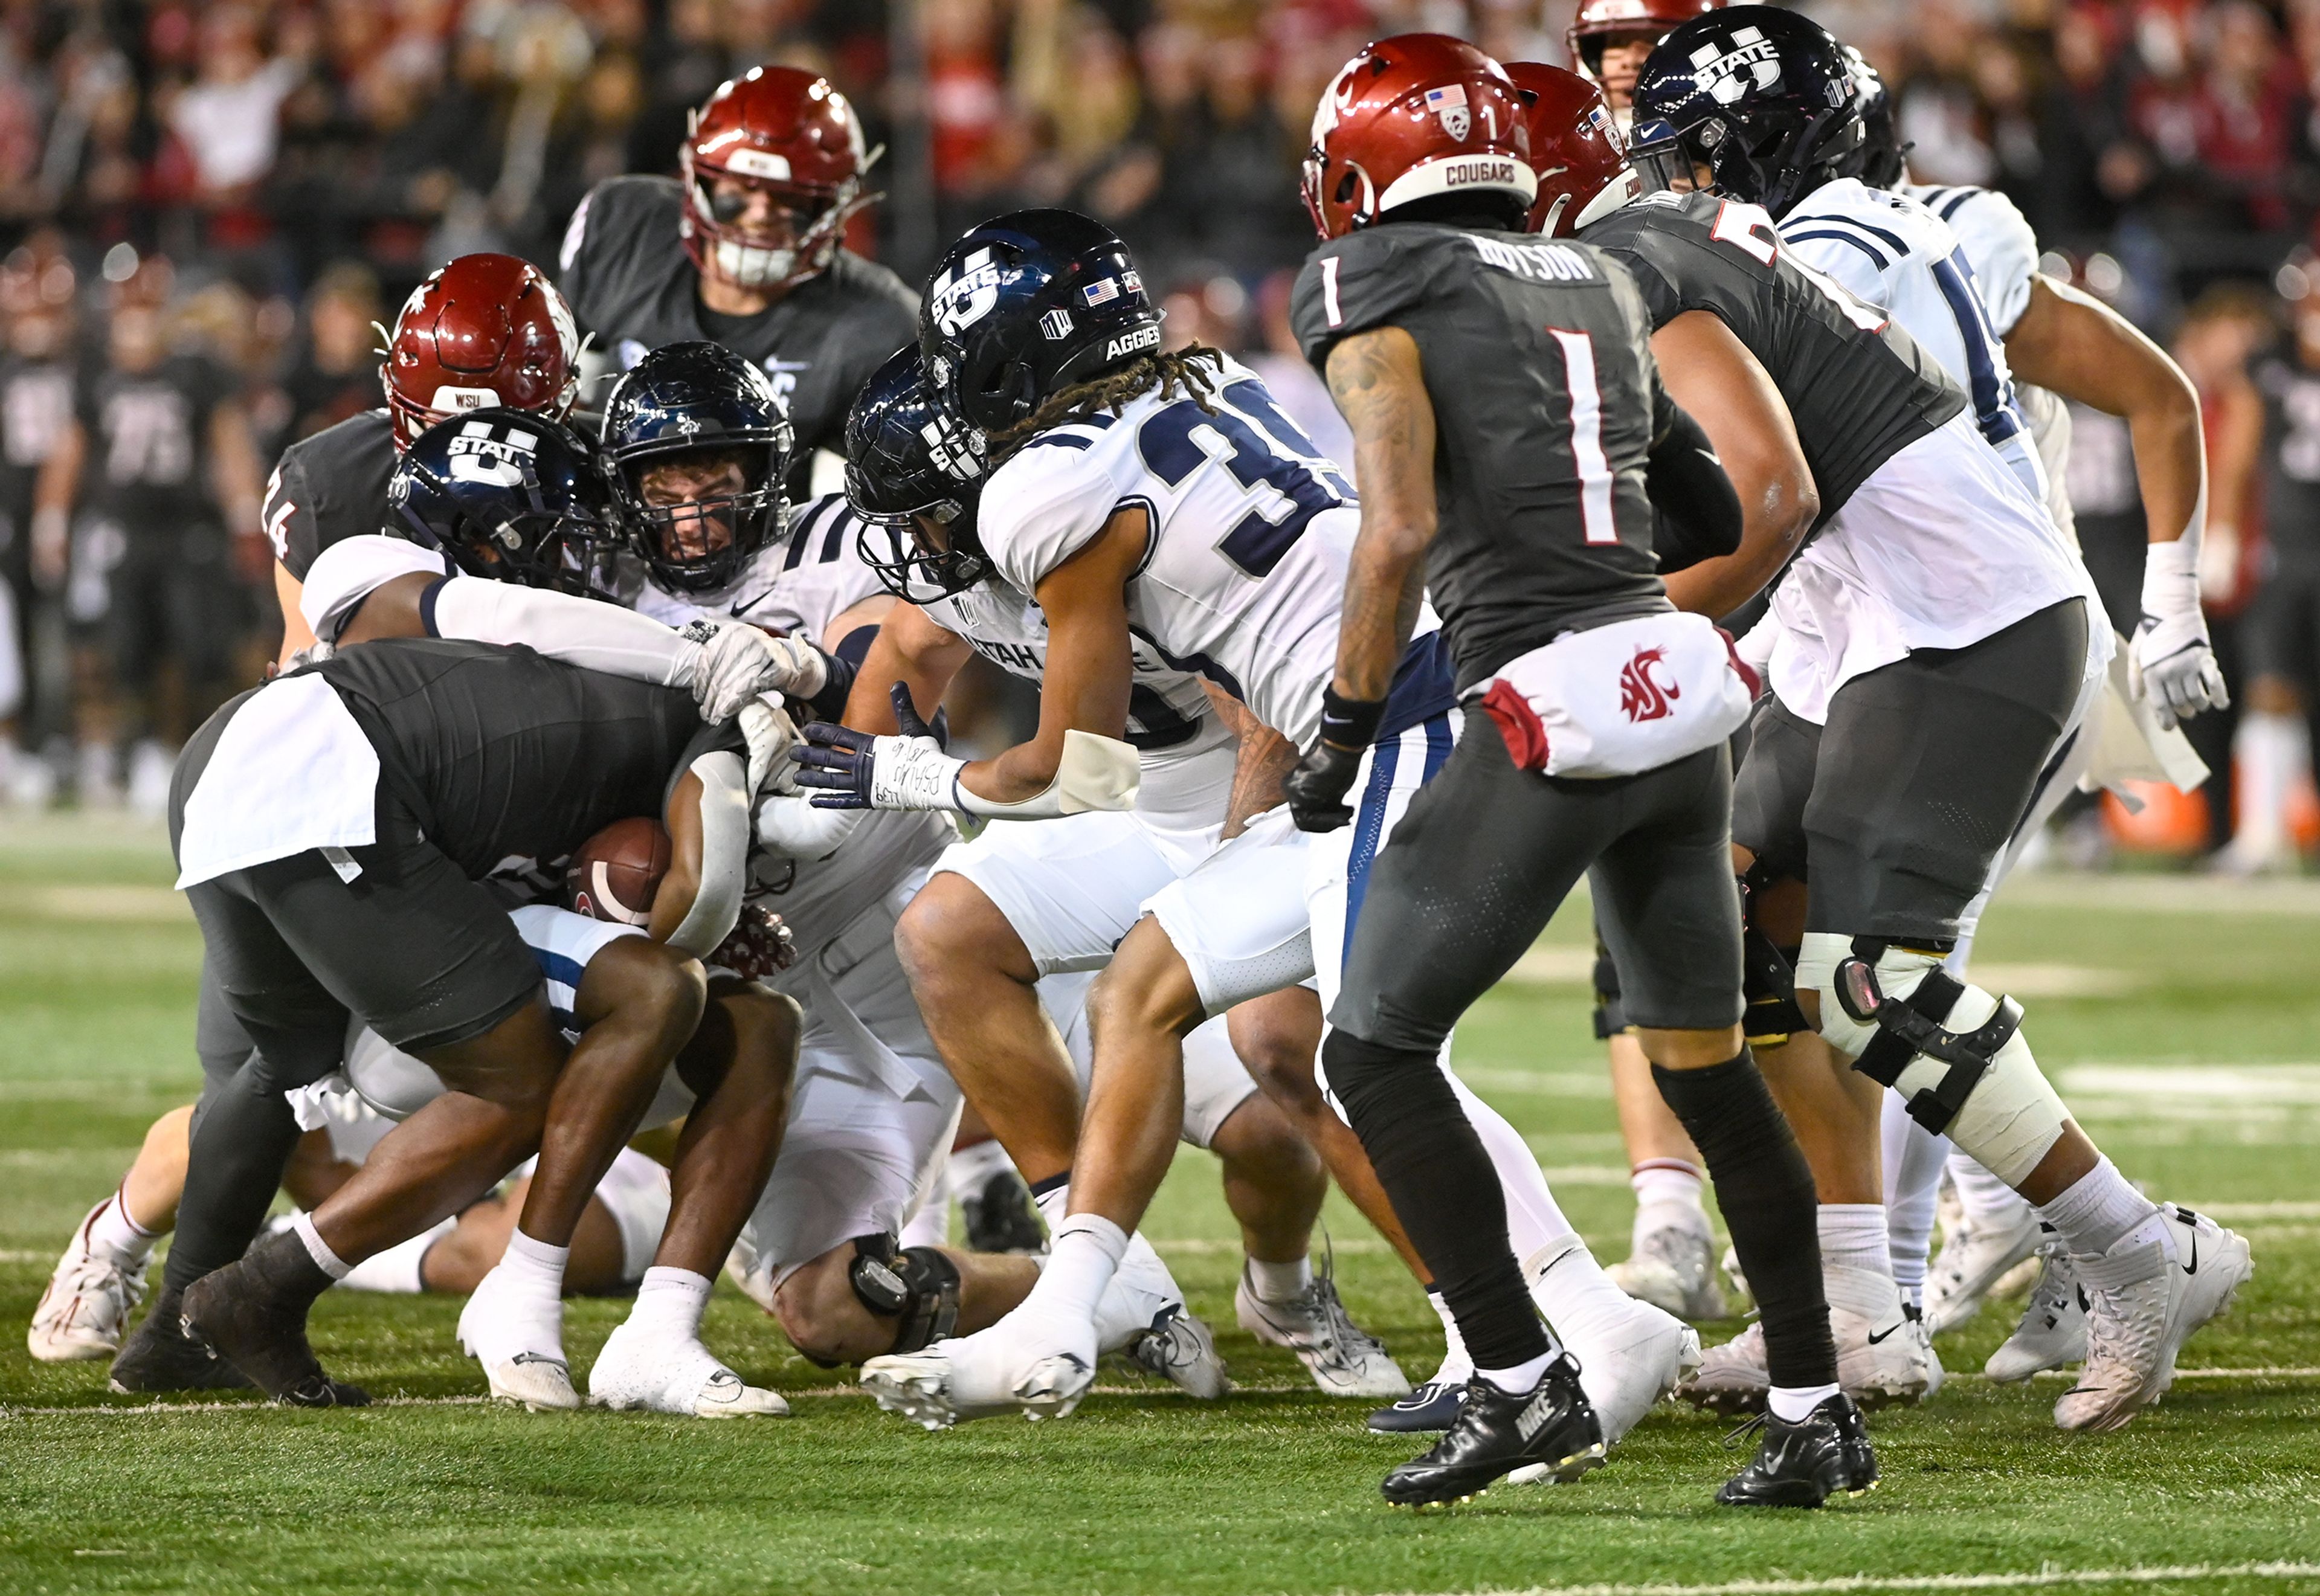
2060 345
543 484
1024 885
1938 596
1254 607
744 249
420 950
484 330
699 447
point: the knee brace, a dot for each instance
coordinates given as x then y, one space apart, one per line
1768 987
1610 1012
918 1286
1955 1053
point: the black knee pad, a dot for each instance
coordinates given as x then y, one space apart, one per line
918 1285
1610 1012
1767 985
1359 1070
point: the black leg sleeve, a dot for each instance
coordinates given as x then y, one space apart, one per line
1765 1191
1444 1189
239 1149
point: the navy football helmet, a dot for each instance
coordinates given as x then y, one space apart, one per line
907 458
509 495
1762 98
1884 160
696 530
1028 303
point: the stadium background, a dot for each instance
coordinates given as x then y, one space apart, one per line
302 164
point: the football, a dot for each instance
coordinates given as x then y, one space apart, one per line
617 871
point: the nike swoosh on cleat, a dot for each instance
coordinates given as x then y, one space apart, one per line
2193 1266
1887 1330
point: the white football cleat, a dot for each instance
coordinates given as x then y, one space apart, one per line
1181 1349
1972 1263
524 1362
1672 1268
1883 1356
2156 1285
86 1309
951 1382
2053 1333
1625 1367
1344 1359
665 1373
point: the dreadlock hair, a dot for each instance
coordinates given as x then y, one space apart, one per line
1191 371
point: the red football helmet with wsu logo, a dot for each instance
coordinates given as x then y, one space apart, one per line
1411 117
791 136
485 330
1575 149
1599 21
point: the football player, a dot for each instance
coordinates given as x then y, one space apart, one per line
1937 596
485 330
319 898
36 413
1611 40
698 447
1247 528
2060 344
746 247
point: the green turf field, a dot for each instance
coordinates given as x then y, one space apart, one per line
2191 1048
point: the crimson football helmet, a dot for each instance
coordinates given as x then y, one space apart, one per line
1575 148
786 133
1411 117
1601 20
485 330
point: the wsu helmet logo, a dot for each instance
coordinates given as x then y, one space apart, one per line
1640 698
1721 71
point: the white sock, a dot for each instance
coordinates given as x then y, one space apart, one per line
534 1269
327 1260
1574 1292
1913 1178
1457 1367
1053 1204
1985 1199
1514 1381
1668 1193
2269 750
400 1268
1852 1235
671 1301
1081 1262
110 1227
1791 1403
971 1168
1280 1283
2098 1209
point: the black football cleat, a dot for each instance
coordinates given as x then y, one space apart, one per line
1825 1454
252 1313
999 1217
1549 1426
158 1357
1433 1406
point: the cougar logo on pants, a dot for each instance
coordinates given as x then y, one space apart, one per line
1640 698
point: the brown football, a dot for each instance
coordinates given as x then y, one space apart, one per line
617 871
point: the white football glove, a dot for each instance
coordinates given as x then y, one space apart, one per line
739 661
773 740
2173 664
790 826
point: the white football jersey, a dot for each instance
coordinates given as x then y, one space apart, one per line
1252 529
2003 250
1893 252
800 582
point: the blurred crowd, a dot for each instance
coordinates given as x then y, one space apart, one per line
249 184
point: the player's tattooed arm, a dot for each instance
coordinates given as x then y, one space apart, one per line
1713 376
1378 380
1261 765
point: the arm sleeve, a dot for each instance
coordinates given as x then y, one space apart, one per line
1352 285
582 631
724 738
350 571
1698 514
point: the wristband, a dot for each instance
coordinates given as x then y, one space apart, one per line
1350 722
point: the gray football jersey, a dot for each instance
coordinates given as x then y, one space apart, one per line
630 282
330 487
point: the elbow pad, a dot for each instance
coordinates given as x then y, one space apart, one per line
582 631
1095 773
724 856
1700 514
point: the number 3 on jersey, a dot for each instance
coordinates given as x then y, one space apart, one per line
1288 482
1749 229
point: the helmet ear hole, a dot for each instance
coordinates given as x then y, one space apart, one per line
1346 185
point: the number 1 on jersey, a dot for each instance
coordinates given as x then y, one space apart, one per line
1587 435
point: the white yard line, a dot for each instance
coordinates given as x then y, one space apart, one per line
2180 1573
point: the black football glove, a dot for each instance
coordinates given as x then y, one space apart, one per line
1316 788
